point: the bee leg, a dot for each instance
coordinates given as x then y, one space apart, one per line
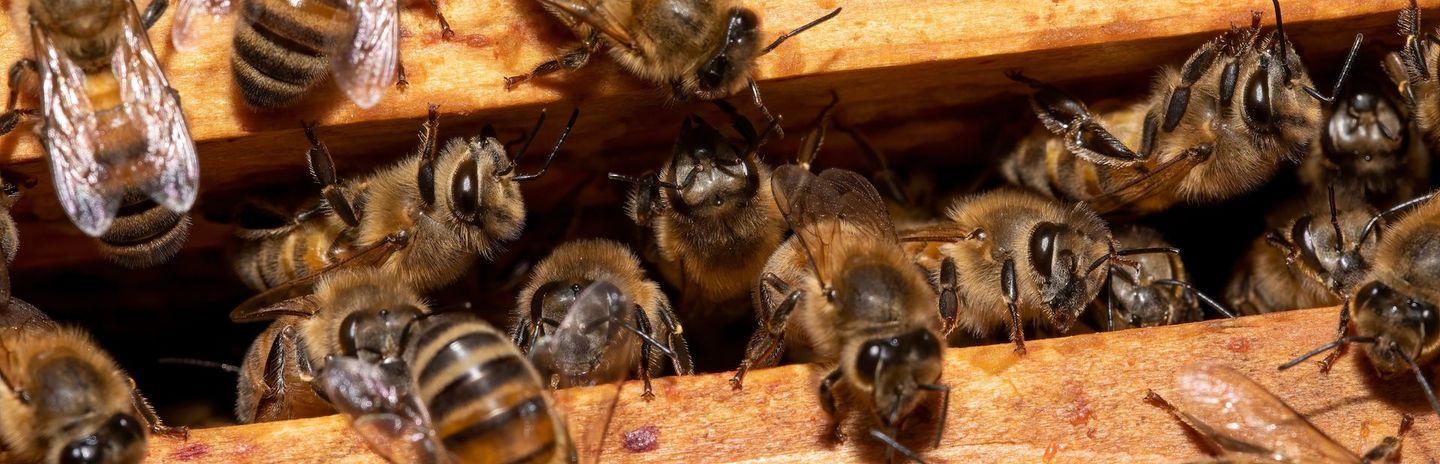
153 12
1194 68
643 324
400 80
741 124
683 363
17 71
949 301
827 400
774 122
322 166
944 408
274 374
1389 445
1330 359
152 420
571 60
445 31
1067 116
1007 287
766 345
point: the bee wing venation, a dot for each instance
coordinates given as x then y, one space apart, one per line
373 255
1243 418
384 409
366 64
830 208
170 171
190 20
590 327
71 139
1161 177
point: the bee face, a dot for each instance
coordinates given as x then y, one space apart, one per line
1150 305
1273 101
1325 256
713 175
77 18
1400 324
894 367
480 193
1060 256
375 335
728 67
118 440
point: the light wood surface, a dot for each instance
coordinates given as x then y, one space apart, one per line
918 75
1075 399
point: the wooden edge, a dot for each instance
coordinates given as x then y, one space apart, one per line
1073 399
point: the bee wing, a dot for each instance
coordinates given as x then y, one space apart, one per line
71 139
940 232
366 64
1142 184
383 408
594 14
169 171
303 306
399 439
254 309
19 314
190 18
833 207
586 335
1242 418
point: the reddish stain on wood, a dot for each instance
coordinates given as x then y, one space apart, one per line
190 451
643 439
1239 345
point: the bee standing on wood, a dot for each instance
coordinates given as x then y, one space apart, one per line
487 403
111 123
1394 311
843 286
595 288
1218 127
283 49
423 220
696 49
63 399
1241 421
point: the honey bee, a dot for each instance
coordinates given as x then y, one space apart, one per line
284 49
1021 251
844 286
712 219
111 124
487 403
1419 60
63 399
1154 293
1243 422
359 313
696 49
144 233
1191 140
570 318
1312 256
1368 143
1393 310
395 219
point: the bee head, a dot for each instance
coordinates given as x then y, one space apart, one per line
478 189
374 335
729 65
77 18
1366 135
711 175
1058 254
1320 245
1150 305
894 368
118 440
1400 324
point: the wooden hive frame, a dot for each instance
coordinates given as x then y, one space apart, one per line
921 78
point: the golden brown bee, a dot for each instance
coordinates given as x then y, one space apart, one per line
487 403
1419 61
144 233
423 220
1241 421
359 313
285 48
1368 143
695 49
1394 310
844 287
573 315
1154 293
1218 127
63 399
1311 257
111 123
712 217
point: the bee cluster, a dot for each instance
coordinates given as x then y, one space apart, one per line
728 259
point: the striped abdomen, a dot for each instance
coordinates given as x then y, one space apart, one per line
279 49
268 261
486 401
144 233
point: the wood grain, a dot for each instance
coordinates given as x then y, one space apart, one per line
1075 399
921 78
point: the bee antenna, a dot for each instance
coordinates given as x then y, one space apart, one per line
1327 347
1282 41
530 137
1147 251
665 350
797 31
231 368
1335 218
1420 376
1370 226
556 149
1344 73
895 446
1198 294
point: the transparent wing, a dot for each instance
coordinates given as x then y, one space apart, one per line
1143 184
383 408
833 207
594 14
169 171
365 65
1242 418
69 132
586 347
18 314
192 18
255 308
